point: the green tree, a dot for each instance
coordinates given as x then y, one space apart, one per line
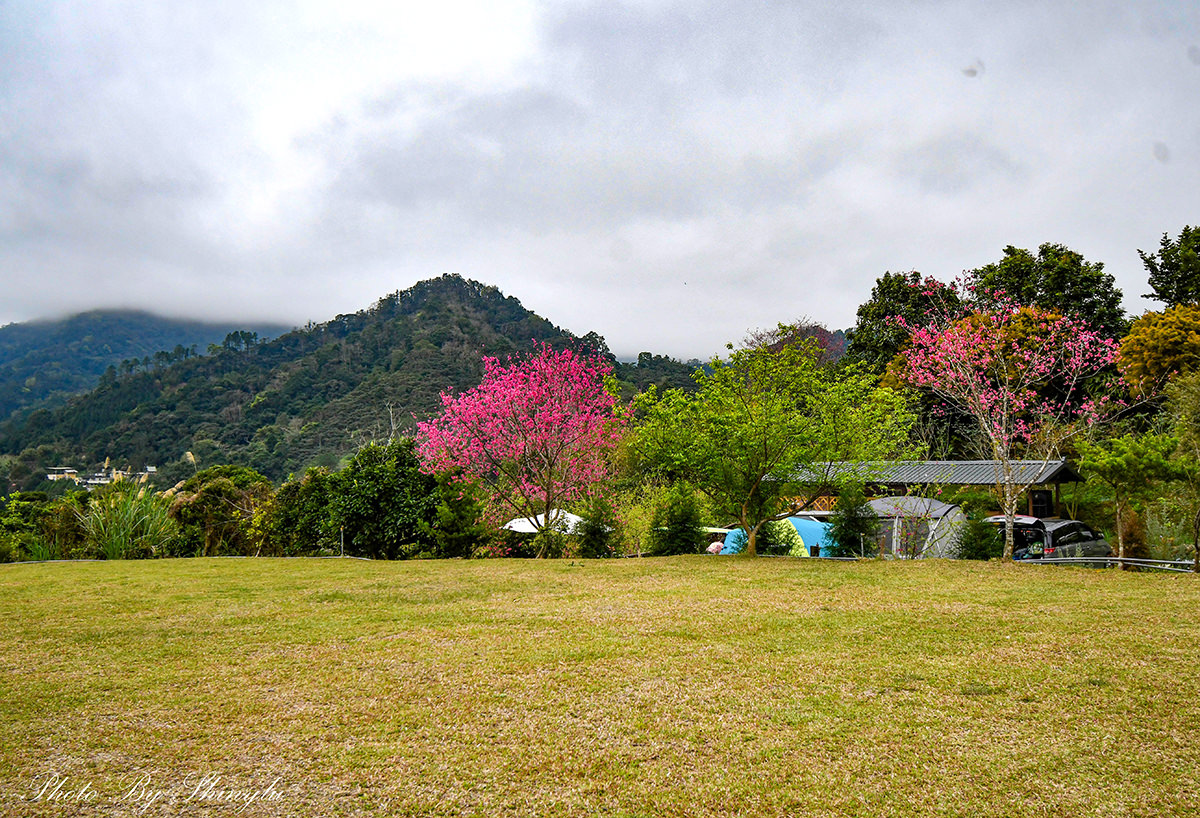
457 528
1175 269
978 540
215 510
780 538
676 527
1160 346
383 503
1056 279
21 516
597 534
854 524
61 528
760 435
1132 466
898 299
1183 402
297 519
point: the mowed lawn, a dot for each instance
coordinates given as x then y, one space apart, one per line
685 686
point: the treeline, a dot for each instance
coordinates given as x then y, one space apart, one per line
379 506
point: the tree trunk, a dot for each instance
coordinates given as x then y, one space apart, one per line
751 537
1120 531
1196 544
1010 511
539 535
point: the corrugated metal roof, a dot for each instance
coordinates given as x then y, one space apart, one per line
953 472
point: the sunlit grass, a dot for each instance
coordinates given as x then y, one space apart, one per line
684 686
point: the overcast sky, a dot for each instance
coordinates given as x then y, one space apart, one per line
668 174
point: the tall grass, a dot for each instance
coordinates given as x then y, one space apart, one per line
129 521
43 549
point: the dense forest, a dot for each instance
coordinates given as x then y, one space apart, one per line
42 363
308 397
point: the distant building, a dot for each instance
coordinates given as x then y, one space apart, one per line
62 473
109 475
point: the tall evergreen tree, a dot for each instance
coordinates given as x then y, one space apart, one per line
1175 269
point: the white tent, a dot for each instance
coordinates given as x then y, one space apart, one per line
564 521
918 527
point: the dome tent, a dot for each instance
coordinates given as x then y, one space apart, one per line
805 535
563 521
918 527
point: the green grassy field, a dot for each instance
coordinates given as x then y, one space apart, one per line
686 686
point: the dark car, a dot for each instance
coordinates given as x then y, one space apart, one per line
1035 539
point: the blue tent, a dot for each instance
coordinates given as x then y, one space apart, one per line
812 534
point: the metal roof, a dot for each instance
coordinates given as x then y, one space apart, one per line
953 472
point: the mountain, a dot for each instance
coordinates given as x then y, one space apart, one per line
307 397
42 363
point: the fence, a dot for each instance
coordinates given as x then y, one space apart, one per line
1178 566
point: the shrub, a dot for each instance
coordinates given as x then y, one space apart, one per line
980 541
596 536
128 521
549 543
505 543
780 537
853 525
215 511
676 527
457 528
296 519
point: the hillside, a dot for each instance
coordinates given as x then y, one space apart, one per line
307 397
42 363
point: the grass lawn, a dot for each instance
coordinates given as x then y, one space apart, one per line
685 686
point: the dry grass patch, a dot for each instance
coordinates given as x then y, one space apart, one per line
686 686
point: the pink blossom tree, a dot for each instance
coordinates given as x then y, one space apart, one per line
535 433
1030 379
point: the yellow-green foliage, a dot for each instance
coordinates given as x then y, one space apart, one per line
1161 345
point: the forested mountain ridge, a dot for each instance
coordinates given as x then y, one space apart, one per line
307 397
42 363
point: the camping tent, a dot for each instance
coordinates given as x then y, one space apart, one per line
810 534
918 527
814 536
564 521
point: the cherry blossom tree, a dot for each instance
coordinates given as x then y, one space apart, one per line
1029 378
535 433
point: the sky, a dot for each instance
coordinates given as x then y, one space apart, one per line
670 175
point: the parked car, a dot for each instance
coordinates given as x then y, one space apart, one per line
1035 539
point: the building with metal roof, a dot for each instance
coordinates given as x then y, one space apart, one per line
964 472
1041 477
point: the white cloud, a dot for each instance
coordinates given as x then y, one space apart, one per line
668 174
